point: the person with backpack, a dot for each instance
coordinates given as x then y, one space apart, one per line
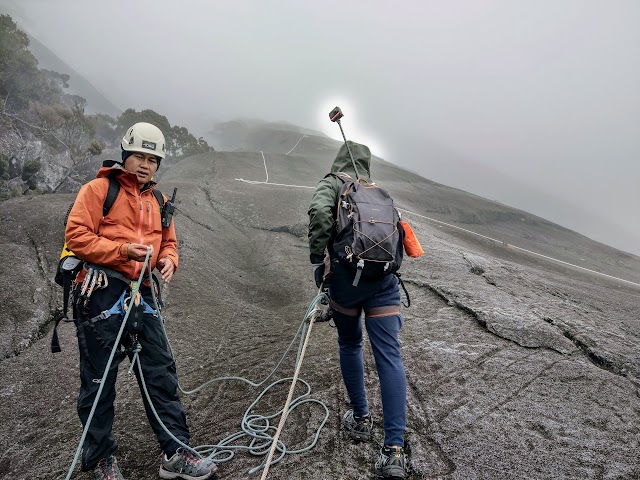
113 248
345 214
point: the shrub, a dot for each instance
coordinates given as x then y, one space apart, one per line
4 167
15 192
36 191
95 148
31 167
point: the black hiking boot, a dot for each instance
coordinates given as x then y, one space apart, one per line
390 463
360 428
107 469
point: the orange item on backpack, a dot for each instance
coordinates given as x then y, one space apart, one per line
411 244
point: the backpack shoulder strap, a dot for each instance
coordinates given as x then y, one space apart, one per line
345 178
114 189
158 194
112 194
341 175
162 203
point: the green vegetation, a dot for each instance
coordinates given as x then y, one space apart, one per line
31 167
20 80
96 147
14 192
180 142
34 108
4 167
39 118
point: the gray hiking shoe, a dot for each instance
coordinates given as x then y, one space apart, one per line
360 428
187 466
107 469
390 463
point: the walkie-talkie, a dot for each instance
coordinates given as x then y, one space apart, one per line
167 210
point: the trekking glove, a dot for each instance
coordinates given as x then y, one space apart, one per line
318 273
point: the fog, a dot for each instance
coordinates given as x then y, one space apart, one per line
535 104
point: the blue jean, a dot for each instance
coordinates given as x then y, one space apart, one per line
383 335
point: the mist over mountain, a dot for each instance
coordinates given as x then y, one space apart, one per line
530 104
613 227
253 134
78 85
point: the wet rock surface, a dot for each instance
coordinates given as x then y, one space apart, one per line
518 367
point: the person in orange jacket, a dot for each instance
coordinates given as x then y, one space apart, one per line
113 249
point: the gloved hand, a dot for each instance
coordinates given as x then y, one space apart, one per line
318 273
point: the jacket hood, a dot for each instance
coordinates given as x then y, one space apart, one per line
361 156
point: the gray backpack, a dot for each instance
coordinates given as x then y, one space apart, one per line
368 235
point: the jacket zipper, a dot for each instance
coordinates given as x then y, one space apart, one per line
140 238
149 215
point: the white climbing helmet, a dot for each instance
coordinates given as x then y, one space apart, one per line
146 138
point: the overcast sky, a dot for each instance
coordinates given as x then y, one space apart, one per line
532 103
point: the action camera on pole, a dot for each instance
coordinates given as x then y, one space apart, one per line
335 115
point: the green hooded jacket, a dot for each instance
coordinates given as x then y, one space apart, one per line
322 209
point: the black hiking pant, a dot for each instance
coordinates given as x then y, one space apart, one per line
96 340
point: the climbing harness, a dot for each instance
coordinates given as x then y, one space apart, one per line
256 427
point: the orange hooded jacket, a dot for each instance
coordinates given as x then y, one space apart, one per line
134 218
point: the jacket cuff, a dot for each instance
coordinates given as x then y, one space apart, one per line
123 252
316 258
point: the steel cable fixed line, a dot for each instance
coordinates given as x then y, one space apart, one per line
293 148
464 230
264 160
519 248
266 182
253 426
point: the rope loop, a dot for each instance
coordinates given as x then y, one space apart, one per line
255 428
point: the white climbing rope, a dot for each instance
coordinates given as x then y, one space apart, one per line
285 410
255 427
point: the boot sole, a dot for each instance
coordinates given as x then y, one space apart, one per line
362 437
393 473
166 475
